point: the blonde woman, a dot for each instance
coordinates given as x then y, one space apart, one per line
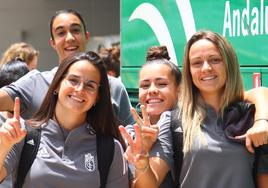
23 51
212 83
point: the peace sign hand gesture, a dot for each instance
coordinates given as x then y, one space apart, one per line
145 136
11 131
135 148
149 132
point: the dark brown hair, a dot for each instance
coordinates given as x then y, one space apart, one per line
111 59
157 52
159 55
12 71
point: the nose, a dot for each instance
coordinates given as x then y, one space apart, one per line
153 89
206 66
80 86
69 36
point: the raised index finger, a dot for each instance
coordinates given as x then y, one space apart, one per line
17 108
136 116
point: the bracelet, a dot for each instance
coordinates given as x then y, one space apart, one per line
142 170
261 119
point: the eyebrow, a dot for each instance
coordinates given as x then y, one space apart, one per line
59 28
76 24
92 81
72 25
89 80
156 79
201 58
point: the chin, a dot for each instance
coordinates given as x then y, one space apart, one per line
154 112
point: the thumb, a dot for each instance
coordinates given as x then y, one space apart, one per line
249 145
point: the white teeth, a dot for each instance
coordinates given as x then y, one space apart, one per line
208 78
71 48
152 101
77 99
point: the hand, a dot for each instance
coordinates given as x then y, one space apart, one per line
134 151
149 133
256 135
11 131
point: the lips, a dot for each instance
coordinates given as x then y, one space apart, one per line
71 48
207 78
154 101
77 99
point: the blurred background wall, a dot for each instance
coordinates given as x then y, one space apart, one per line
28 21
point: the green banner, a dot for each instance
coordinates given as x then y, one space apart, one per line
172 22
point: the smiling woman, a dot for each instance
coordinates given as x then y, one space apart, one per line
76 110
80 95
208 69
159 83
212 86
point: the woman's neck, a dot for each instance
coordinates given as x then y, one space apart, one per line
154 119
68 120
214 101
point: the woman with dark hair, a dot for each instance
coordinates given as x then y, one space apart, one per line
159 85
111 59
76 107
12 71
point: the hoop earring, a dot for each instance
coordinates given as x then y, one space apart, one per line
55 92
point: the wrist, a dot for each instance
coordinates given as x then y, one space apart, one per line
142 164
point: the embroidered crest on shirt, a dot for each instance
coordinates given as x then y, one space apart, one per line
89 162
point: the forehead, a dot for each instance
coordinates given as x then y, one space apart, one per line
84 69
66 20
203 47
154 71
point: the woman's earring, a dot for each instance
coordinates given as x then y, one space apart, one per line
55 93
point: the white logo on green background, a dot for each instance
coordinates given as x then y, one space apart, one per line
157 23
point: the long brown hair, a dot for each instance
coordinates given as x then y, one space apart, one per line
101 117
193 110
